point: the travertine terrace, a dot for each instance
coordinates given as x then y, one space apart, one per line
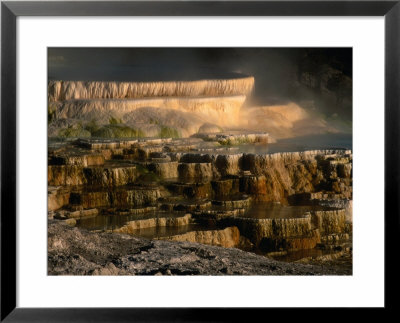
186 164
205 192
147 107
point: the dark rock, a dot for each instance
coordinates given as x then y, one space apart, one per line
71 252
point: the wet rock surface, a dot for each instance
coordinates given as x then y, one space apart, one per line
228 237
197 190
74 251
131 226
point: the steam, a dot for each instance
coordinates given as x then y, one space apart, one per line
284 121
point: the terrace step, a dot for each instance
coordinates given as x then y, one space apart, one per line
76 158
237 202
164 169
201 171
191 190
308 241
135 225
130 196
57 197
76 214
188 205
109 174
228 237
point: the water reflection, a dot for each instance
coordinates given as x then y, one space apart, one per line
262 210
104 222
159 232
277 211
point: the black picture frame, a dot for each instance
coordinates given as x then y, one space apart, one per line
10 10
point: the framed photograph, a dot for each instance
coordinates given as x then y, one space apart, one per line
194 152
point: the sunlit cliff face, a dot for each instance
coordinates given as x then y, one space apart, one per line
73 90
183 105
286 92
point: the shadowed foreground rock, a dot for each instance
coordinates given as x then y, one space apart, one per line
73 251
